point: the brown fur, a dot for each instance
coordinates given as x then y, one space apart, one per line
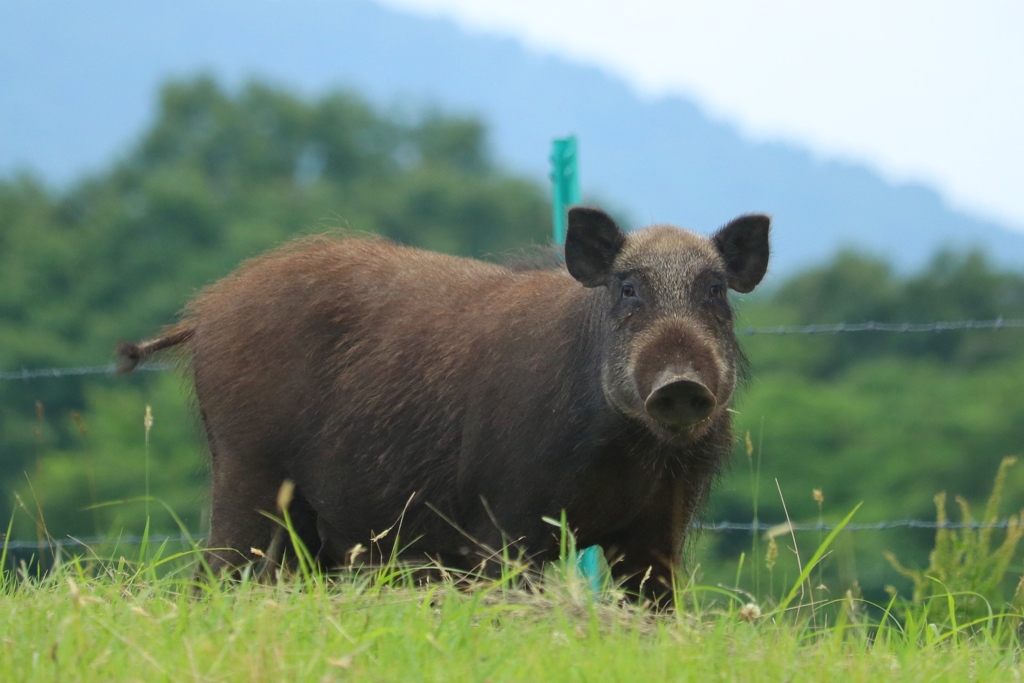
470 399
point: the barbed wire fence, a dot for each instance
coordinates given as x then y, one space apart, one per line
830 328
912 328
718 527
714 527
109 369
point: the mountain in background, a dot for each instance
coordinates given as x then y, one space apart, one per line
79 82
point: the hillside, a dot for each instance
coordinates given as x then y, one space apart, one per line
79 84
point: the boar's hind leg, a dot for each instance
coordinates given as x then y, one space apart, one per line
243 489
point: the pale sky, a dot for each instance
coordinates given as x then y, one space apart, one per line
922 90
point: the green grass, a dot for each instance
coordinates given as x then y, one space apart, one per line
135 613
141 620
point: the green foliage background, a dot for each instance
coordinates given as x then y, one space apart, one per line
888 419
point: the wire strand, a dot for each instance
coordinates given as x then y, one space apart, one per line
759 527
872 326
836 328
111 369
715 527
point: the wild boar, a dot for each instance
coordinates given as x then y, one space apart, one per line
472 400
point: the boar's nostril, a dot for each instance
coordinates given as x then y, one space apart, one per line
680 403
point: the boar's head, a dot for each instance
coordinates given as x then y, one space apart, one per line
669 353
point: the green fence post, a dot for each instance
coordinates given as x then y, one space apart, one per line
565 191
565 183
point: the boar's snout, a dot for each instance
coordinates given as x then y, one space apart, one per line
679 400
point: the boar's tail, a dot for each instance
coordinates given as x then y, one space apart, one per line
130 355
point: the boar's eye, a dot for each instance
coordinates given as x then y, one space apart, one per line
628 290
716 291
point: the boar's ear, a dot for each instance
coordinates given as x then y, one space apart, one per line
591 244
743 244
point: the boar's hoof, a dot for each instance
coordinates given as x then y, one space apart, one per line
680 403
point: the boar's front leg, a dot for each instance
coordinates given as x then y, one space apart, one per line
643 565
646 557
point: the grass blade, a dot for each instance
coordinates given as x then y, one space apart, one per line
818 554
